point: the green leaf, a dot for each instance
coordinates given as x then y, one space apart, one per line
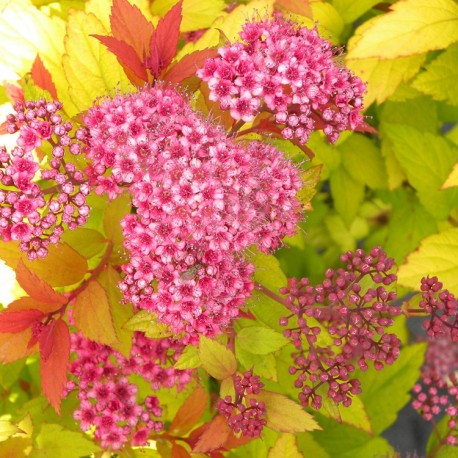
310 179
265 309
411 27
54 442
259 340
189 359
91 70
426 160
439 79
347 193
329 19
285 447
285 415
263 365
434 446
437 255
146 322
216 359
86 242
350 10
268 271
363 161
386 392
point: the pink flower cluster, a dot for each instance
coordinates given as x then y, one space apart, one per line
245 413
438 391
28 214
356 318
199 200
108 401
288 71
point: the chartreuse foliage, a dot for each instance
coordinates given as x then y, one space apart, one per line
394 185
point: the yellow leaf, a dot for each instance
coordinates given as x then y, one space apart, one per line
91 70
62 267
216 359
437 255
92 314
452 179
412 27
285 415
197 14
146 322
8 429
384 76
189 359
285 447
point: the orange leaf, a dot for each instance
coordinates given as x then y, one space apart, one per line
27 303
35 287
15 346
16 321
126 55
214 436
14 93
188 66
164 41
179 452
53 370
92 314
190 412
42 78
301 7
128 24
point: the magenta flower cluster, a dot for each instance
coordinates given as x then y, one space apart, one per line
356 318
28 214
245 414
109 402
437 392
199 200
290 72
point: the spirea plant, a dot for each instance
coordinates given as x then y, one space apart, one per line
232 227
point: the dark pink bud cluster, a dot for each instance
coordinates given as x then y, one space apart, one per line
34 216
354 312
199 199
438 391
245 414
443 308
108 401
290 72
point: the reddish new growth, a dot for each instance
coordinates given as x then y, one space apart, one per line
245 413
108 401
355 316
28 214
199 199
438 391
290 72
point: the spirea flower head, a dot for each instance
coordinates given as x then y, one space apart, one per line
29 214
108 401
200 200
289 71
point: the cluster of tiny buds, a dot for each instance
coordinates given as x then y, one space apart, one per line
109 402
245 414
353 315
442 306
290 72
33 216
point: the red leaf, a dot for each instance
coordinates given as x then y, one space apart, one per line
126 55
14 93
45 340
164 41
364 127
214 436
53 370
189 413
128 24
179 452
187 66
3 128
42 78
37 288
16 321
